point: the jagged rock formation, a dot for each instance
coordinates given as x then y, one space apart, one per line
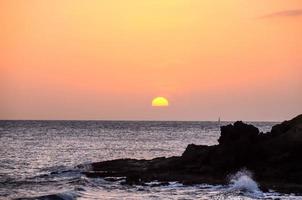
275 159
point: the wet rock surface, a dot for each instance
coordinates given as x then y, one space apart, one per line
274 158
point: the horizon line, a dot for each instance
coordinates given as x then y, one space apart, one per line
141 120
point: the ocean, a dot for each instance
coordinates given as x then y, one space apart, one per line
44 159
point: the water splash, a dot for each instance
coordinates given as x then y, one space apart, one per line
243 183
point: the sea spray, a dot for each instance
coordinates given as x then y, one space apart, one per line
242 182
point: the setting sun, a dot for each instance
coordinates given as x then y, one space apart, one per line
160 101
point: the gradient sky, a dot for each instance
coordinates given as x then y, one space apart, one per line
107 59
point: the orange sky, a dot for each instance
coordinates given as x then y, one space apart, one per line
100 59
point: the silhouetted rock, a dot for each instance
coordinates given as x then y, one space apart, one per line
238 133
275 159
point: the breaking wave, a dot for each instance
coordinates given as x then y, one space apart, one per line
243 183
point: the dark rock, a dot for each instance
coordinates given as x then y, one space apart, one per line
238 133
275 158
134 179
113 179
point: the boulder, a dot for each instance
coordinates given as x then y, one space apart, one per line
238 133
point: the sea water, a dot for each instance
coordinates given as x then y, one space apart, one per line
40 159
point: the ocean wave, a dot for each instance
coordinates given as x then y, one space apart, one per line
243 183
70 195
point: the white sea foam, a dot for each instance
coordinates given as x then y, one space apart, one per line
67 195
242 182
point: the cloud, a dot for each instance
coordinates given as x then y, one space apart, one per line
284 13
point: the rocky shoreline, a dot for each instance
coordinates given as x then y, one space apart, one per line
274 159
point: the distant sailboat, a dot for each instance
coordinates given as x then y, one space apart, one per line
219 121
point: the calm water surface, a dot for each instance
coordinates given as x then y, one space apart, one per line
39 159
